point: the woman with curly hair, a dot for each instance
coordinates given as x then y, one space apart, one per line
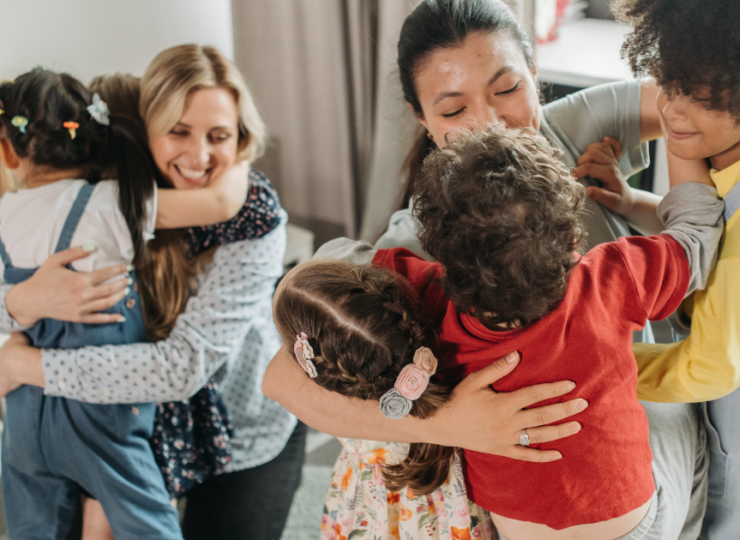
692 49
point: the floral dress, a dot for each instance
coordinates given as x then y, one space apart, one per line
359 507
192 438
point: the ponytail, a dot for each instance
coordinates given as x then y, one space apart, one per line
136 172
421 148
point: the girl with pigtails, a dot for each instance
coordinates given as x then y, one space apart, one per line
59 140
356 330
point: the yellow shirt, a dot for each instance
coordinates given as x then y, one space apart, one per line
706 365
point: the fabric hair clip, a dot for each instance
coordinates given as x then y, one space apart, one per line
20 122
9 81
72 127
410 385
2 112
99 110
304 354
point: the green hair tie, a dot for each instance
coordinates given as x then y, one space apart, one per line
20 122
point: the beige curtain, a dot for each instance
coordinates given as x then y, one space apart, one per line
322 74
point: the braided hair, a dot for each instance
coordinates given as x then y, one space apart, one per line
46 101
363 325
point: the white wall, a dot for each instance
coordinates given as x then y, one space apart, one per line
92 37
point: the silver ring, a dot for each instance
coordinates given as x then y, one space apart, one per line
524 439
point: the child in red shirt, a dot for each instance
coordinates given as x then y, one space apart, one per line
501 218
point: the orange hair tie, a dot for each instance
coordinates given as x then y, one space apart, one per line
71 126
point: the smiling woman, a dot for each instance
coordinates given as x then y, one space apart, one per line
203 143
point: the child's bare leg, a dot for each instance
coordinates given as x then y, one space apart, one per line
95 525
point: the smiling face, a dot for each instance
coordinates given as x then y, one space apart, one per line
695 132
203 143
484 81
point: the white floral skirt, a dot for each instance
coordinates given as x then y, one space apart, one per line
359 507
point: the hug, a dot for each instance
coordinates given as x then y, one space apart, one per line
488 363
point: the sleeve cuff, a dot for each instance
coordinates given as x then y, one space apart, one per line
60 373
8 323
637 154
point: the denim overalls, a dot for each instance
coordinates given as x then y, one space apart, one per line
53 448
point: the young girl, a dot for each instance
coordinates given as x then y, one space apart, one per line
355 330
58 139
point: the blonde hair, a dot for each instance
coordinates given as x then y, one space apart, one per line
176 73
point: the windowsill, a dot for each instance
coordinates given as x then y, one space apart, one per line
585 53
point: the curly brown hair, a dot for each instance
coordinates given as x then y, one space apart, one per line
363 325
690 47
499 210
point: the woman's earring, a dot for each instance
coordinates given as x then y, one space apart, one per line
431 137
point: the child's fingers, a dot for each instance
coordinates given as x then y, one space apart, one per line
602 155
534 455
607 198
615 144
594 170
543 416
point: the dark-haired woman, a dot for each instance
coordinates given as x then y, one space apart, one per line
463 64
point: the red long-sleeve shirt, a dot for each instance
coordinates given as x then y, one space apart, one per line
606 468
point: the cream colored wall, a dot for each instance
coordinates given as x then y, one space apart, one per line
92 37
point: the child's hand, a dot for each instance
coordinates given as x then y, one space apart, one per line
479 418
601 161
56 292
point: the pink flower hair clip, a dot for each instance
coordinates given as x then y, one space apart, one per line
410 385
304 354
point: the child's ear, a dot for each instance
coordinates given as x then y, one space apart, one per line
8 155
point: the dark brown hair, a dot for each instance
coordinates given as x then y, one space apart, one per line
48 100
441 24
690 47
166 276
363 326
499 210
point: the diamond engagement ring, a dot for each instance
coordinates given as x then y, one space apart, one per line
524 439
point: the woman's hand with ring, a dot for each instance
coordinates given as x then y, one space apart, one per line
478 418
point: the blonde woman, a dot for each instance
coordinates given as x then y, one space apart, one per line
212 315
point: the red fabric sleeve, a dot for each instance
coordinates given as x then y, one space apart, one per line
659 274
422 275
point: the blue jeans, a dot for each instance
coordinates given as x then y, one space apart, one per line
722 520
251 504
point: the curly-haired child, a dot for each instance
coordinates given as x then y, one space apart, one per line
691 50
499 211
58 140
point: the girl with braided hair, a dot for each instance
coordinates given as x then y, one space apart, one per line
356 331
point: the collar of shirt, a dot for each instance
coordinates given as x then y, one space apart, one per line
725 179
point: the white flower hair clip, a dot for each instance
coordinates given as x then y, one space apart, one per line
304 354
99 110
